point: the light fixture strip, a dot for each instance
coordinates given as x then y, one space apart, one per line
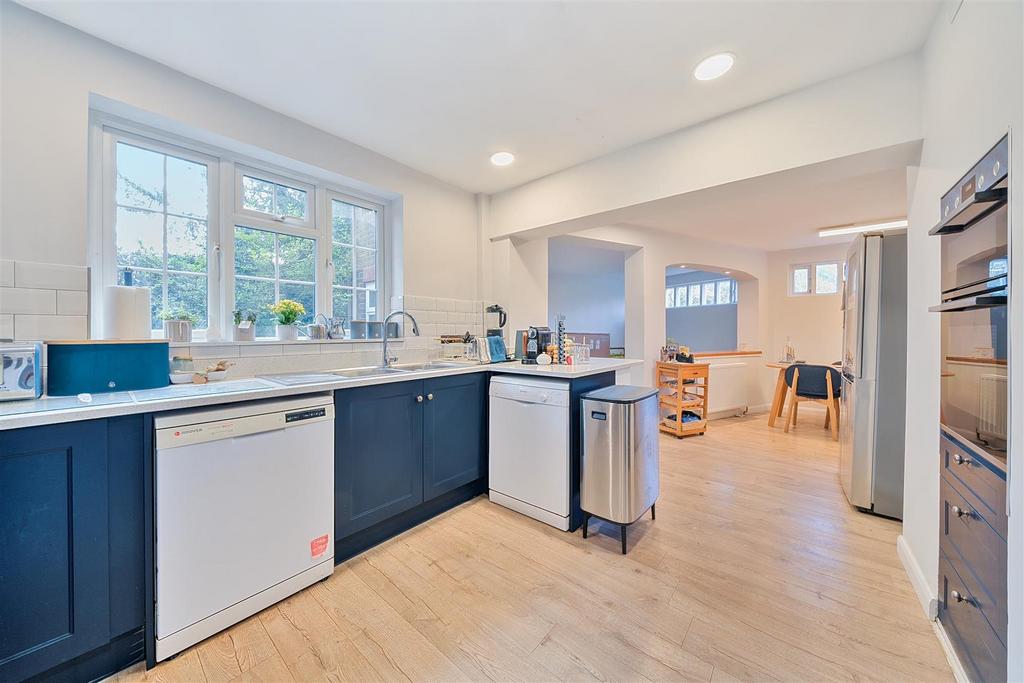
854 229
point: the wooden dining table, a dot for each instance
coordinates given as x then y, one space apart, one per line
779 397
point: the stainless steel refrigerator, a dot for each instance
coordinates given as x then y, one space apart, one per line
873 403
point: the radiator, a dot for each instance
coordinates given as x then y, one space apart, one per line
992 406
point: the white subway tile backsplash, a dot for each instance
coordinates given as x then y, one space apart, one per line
300 349
215 351
51 276
72 303
6 273
36 327
6 326
259 350
24 300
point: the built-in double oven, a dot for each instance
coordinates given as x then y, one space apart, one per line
975 294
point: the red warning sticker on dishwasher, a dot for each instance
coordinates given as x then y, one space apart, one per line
318 546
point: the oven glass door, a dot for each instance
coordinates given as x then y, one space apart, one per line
974 371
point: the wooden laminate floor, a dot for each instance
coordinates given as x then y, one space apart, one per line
756 568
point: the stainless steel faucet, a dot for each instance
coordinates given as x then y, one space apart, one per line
386 360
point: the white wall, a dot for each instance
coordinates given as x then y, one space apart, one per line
869 109
591 302
973 75
47 73
813 322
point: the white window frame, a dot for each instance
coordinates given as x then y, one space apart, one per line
225 170
812 278
698 286
309 224
670 293
383 249
108 239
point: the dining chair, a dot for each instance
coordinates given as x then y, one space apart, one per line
817 383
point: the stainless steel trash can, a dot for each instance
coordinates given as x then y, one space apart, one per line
619 470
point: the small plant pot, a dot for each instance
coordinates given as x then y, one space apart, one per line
287 332
240 334
178 330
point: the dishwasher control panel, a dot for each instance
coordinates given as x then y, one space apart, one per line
307 414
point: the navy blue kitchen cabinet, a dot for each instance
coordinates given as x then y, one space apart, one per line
405 452
454 432
378 445
71 549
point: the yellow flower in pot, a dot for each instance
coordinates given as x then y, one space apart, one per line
287 313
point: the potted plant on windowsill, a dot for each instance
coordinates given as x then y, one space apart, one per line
178 325
287 313
245 326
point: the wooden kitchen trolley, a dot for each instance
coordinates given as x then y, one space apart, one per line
682 397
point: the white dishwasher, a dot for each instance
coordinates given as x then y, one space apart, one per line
244 512
529 447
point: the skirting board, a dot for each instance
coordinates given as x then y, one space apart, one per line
929 602
947 646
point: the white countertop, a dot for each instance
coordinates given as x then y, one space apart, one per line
16 414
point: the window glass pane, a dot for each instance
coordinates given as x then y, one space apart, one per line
365 227
255 296
290 202
735 292
257 195
154 281
681 296
304 294
670 297
724 291
801 281
365 304
140 177
186 244
694 298
297 258
342 257
186 188
709 293
826 278
341 221
342 304
366 268
139 236
188 293
254 252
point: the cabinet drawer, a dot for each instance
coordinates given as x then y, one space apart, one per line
981 480
976 552
976 643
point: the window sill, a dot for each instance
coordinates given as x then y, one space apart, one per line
273 341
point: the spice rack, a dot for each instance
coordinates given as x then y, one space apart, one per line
682 392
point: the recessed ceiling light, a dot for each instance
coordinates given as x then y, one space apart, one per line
728 272
680 266
714 66
868 227
502 158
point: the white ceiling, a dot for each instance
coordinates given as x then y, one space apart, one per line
785 210
441 85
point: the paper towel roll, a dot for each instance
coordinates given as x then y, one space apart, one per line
126 312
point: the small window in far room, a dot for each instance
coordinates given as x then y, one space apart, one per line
800 280
694 296
826 278
670 297
681 296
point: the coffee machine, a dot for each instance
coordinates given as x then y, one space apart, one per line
537 340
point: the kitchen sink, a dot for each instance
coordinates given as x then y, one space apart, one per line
432 365
367 372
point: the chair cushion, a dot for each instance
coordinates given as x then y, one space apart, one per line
812 382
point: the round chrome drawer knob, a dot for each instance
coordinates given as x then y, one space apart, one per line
419 399
960 460
957 597
960 512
